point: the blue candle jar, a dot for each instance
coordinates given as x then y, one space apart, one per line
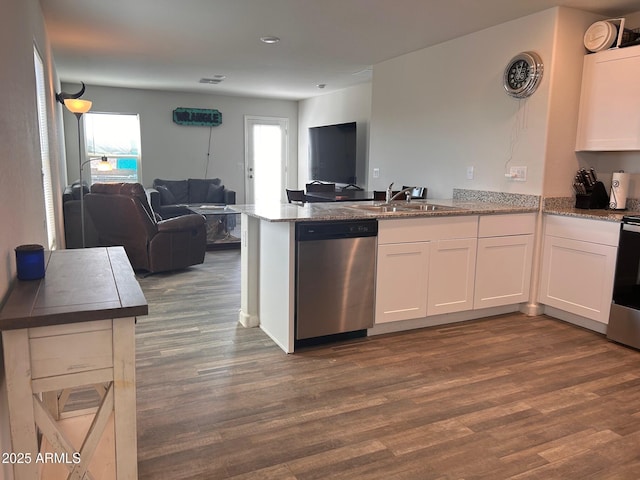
30 262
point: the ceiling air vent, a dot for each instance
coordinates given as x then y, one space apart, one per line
213 80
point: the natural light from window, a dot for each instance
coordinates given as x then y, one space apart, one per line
117 137
267 157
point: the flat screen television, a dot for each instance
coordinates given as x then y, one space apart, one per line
332 153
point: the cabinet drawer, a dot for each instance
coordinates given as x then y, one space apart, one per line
508 224
404 230
583 229
73 353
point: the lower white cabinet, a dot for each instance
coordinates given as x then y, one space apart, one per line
401 282
504 263
425 267
503 270
577 275
436 266
451 276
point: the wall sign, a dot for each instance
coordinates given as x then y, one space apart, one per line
197 116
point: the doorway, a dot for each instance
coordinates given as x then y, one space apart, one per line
266 156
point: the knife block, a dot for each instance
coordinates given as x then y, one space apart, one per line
597 198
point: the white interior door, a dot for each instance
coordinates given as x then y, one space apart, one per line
266 156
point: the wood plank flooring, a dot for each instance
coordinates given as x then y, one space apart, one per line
510 397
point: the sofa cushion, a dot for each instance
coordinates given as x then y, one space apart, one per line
199 188
215 194
166 197
179 188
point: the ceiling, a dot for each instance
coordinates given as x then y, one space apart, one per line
171 44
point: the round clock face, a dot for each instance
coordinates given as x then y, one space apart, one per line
522 75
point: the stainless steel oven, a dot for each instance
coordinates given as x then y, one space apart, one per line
624 318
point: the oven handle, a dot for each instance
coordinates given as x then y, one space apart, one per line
630 227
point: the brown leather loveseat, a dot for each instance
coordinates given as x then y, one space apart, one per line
122 216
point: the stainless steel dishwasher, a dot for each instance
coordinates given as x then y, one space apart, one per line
335 278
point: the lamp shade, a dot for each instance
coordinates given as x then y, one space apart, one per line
77 105
104 165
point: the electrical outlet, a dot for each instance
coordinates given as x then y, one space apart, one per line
518 174
376 173
470 172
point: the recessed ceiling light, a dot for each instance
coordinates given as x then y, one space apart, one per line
269 39
321 85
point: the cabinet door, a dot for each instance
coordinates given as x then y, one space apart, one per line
577 277
503 270
451 276
401 281
609 116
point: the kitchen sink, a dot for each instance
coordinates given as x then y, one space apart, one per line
402 207
427 207
380 208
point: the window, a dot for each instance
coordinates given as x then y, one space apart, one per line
43 128
117 137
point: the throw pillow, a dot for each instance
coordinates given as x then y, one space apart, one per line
166 197
215 194
199 187
179 188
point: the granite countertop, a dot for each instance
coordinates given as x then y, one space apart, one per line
464 202
358 210
565 206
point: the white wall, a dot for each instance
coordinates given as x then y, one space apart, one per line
22 200
565 75
438 110
349 105
441 109
172 151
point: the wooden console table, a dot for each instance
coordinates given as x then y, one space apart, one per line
73 328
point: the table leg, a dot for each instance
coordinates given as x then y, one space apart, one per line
124 381
23 427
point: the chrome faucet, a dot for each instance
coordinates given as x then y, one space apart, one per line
389 197
389 194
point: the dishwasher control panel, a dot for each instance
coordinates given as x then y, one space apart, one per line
336 229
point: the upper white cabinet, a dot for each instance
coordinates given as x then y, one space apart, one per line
503 267
578 266
609 117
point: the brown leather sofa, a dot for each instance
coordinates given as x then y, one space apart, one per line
122 216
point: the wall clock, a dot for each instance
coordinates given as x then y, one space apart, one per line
523 74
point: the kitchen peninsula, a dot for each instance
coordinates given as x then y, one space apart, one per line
456 243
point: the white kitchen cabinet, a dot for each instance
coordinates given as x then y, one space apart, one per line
425 267
504 260
609 117
451 275
578 266
401 281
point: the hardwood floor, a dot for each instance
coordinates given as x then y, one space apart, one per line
510 397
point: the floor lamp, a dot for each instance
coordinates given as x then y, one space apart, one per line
79 107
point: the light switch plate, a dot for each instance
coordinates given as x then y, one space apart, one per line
470 172
518 174
376 173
